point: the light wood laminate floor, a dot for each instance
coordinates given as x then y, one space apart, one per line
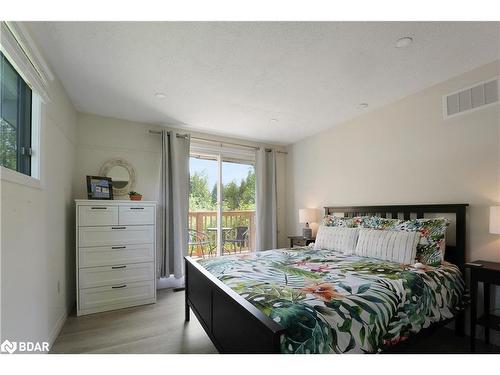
156 328
160 328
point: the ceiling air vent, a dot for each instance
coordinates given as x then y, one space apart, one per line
471 98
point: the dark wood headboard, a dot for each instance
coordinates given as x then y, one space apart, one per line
454 254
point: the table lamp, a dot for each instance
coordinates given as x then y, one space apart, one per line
495 220
307 215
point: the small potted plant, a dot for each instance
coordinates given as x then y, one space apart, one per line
135 196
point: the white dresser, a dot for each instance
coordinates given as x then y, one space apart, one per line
115 254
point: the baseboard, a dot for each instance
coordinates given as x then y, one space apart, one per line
170 283
57 328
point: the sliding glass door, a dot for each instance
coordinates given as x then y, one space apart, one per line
238 206
203 204
221 205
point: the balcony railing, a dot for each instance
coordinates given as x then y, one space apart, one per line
206 222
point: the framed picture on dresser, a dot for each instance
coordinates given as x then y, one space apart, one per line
99 188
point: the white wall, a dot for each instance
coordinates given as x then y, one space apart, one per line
37 234
103 138
406 153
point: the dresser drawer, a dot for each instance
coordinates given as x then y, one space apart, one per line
115 275
97 215
136 215
111 297
115 235
109 255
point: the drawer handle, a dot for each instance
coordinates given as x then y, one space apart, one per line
118 267
98 208
118 247
137 208
118 227
119 287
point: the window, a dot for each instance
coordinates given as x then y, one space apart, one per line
15 119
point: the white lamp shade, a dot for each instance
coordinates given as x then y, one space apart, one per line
308 215
495 220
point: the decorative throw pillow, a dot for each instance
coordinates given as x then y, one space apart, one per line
375 222
372 222
430 249
336 238
340 221
391 245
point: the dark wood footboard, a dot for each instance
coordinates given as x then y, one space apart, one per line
233 324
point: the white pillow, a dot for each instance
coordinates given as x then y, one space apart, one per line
391 245
336 238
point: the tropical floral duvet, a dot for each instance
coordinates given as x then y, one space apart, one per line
334 303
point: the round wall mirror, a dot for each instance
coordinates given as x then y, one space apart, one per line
119 175
122 174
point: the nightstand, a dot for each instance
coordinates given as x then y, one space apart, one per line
488 273
300 240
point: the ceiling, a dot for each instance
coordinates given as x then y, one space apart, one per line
232 78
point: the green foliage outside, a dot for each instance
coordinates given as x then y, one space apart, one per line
200 198
235 196
8 140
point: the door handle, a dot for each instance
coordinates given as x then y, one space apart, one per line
119 287
118 247
118 227
118 267
137 208
98 208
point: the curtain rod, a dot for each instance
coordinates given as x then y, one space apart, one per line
218 142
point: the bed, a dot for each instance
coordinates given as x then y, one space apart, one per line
303 300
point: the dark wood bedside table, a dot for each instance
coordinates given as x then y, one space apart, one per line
488 273
300 240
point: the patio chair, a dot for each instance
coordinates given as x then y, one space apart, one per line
199 240
240 237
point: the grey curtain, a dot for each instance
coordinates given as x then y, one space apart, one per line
265 175
173 204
